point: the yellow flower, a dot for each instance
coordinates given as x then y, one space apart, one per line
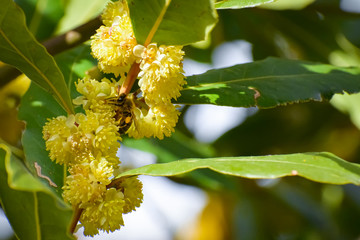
161 75
131 187
87 182
105 215
100 128
158 121
56 133
113 43
94 93
115 10
72 140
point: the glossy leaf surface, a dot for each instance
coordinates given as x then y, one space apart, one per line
32 209
19 48
269 83
240 3
172 22
78 12
73 64
319 167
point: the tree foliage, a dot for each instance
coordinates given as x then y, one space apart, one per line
305 53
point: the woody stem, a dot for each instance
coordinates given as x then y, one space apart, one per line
130 79
77 213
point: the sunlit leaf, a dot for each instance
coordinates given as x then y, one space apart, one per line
172 22
19 48
320 167
269 83
223 4
180 146
33 211
78 12
288 4
348 104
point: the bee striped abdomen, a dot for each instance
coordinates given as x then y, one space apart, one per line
123 113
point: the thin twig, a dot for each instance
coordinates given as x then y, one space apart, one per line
130 79
77 213
73 37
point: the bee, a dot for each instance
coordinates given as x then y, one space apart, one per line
123 112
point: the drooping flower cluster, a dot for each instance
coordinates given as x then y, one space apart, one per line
87 142
160 80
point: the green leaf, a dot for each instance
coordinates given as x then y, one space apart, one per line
348 104
74 64
78 12
320 167
171 148
180 146
19 48
240 3
42 16
288 4
269 83
33 211
37 106
172 22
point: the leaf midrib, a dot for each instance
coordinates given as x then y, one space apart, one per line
309 165
157 23
63 103
251 79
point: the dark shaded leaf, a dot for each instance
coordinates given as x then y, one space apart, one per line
32 209
269 83
19 48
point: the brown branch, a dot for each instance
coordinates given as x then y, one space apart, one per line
77 213
56 45
130 79
72 38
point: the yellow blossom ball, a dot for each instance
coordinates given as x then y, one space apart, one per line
113 43
158 121
100 128
94 93
105 215
56 133
87 182
161 75
131 187
115 11
72 140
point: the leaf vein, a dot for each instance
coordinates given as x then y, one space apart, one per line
246 79
37 69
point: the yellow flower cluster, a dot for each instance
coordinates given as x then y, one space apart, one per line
161 74
88 144
160 80
113 43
